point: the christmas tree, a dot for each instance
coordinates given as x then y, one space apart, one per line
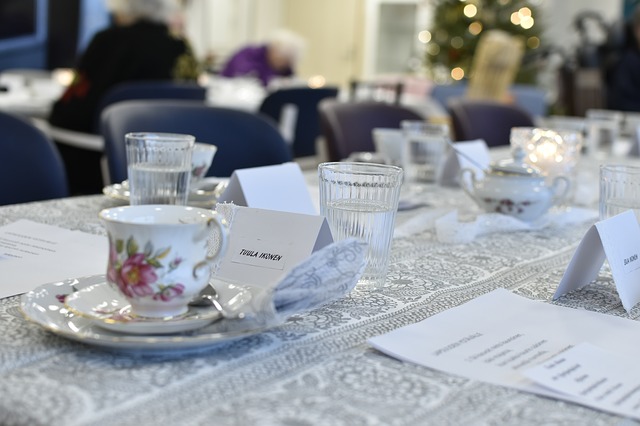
459 24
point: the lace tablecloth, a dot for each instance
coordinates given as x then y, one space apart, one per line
316 369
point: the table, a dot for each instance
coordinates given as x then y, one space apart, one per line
316 369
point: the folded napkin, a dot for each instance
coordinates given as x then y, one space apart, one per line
327 275
450 230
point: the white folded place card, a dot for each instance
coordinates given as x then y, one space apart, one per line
280 187
459 159
264 245
618 240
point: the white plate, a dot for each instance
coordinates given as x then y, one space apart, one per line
45 307
204 194
109 309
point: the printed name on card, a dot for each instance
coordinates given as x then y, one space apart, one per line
280 187
458 159
264 245
616 239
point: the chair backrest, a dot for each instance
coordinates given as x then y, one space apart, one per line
152 89
528 97
31 168
488 120
307 124
347 126
243 139
378 91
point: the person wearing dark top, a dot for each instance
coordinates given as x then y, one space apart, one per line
624 87
276 58
140 46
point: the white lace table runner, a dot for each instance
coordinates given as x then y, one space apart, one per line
314 369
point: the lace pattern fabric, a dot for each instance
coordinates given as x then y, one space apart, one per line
316 368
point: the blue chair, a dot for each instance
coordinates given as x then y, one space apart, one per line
30 166
307 127
491 121
348 126
151 89
243 139
530 98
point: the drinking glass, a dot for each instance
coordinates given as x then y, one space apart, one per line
619 190
360 200
159 167
603 131
423 150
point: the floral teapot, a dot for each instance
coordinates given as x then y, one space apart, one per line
514 188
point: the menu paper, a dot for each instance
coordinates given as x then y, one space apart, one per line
596 377
264 245
499 336
33 253
281 187
618 240
458 159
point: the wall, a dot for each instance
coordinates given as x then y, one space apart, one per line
27 52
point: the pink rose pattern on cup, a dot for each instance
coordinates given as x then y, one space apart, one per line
199 171
136 273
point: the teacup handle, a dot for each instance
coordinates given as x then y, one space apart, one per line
464 184
557 197
222 248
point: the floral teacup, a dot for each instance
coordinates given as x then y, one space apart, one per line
201 159
159 255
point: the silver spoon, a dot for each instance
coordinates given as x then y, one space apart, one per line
209 297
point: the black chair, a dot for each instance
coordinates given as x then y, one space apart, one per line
491 121
307 127
152 89
243 139
347 126
30 166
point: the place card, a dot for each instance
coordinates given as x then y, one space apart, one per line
618 240
264 245
280 187
458 159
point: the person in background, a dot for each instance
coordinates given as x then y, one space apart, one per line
624 85
139 46
276 58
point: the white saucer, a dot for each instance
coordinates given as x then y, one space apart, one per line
109 309
45 307
204 194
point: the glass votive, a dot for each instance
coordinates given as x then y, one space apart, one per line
554 152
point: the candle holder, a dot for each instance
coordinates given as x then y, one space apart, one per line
554 152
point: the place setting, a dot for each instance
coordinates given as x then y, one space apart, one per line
202 191
181 278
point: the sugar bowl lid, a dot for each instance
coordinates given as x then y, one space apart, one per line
515 166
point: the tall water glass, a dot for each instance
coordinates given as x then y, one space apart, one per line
159 167
619 190
423 150
360 200
603 131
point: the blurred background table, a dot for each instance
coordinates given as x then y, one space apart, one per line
317 368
